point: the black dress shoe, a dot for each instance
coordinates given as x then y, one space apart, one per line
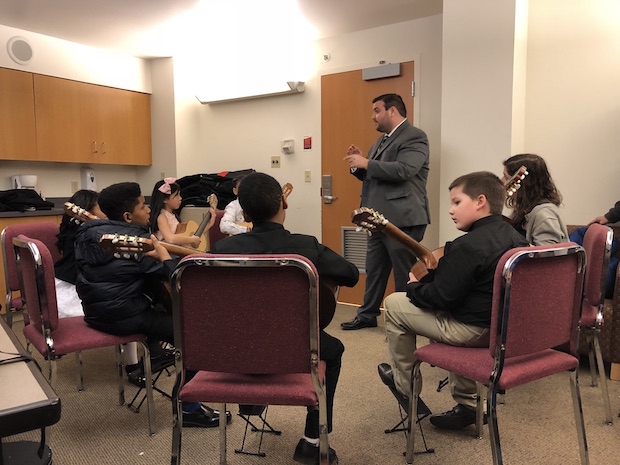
204 417
457 418
359 323
309 454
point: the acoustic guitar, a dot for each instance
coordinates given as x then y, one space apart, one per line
191 228
79 214
423 269
124 246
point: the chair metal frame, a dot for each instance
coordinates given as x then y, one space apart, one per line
518 256
23 244
247 261
13 303
593 332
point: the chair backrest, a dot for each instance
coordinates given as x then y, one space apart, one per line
45 231
597 244
537 299
253 314
214 233
35 268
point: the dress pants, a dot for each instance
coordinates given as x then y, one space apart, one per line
383 254
331 353
403 321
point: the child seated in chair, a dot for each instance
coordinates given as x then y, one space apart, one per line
455 307
263 201
115 291
233 222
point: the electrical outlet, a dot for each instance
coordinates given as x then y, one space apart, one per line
74 187
275 161
308 176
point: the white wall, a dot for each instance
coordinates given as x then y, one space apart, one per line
60 58
245 134
573 100
477 92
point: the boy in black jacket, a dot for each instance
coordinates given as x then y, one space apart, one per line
455 308
115 292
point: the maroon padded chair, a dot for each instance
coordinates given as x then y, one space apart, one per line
597 243
248 325
46 232
214 233
53 336
537 298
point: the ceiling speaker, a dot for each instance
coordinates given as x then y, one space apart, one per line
20 50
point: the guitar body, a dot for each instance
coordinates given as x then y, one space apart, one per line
189 228
328 299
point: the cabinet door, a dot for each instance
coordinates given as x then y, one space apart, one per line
17 129
67 120
126 121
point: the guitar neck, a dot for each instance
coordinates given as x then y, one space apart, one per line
203 224
417 249
176 249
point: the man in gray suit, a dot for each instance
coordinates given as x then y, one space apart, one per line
394 184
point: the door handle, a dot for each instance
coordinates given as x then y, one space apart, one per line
327 189
329 198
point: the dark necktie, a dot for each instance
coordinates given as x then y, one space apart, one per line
381 144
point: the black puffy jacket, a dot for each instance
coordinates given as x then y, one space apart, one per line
112 289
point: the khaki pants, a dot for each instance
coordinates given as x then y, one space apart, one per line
404 321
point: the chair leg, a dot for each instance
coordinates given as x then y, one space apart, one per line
80 371
413 411
479 411
177 427
323 431
223 434
579 423
590 344
119 374
601 370
52 373
148 382
496 449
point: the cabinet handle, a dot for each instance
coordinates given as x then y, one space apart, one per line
105 147
95 146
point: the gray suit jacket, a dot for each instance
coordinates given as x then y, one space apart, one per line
395 182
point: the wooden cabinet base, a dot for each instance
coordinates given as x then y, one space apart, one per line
615 372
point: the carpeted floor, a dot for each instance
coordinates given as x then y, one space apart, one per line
536 423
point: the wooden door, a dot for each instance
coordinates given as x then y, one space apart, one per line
17 128
346 118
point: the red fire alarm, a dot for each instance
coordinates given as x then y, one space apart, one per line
307 143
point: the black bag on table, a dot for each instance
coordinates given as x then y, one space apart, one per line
197 187
21 200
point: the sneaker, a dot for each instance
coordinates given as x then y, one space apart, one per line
204 417
308 454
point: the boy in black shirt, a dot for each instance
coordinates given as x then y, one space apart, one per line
455 308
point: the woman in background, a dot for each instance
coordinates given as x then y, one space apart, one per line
535 206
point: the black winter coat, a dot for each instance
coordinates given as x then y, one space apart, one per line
112 289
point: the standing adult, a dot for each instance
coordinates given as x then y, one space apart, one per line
393 179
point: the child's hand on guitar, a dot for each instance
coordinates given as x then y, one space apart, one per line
194 241
412 278
212 220
159 252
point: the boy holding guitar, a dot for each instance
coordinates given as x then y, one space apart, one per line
264 202
455 307
114 289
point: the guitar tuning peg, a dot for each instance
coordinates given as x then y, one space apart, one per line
117 255
126 255
135 256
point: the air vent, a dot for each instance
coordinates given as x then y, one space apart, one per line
354 245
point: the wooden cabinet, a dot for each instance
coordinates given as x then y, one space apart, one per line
4 222
86 123
17 120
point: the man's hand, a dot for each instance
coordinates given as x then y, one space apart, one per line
159 252
412 278
599 219
355 158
